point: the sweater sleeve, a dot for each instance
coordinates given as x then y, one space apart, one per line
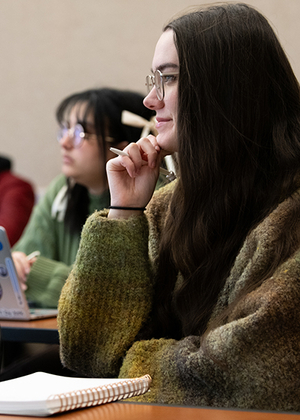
109 288
45 282
251 361
40 231
49 272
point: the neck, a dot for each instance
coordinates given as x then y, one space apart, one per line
98 189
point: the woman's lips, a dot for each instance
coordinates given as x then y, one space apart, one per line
161 121
67 159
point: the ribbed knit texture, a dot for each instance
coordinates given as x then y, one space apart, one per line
251 361
57 246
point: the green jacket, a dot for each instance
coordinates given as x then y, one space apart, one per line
46 233
251 361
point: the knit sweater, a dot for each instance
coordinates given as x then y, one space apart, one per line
250 361
46 233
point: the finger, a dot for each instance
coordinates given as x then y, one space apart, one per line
154 142
24 286
121 164
137 156
20 272
148 151
31 261
21 264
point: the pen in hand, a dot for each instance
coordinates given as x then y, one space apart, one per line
169 174
33 255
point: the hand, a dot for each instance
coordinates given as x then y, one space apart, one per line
132 179
23 266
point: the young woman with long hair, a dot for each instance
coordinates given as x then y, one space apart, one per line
201 290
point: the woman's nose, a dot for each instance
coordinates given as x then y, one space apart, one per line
66 140
151 101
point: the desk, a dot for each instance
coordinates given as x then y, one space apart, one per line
134 411
37 331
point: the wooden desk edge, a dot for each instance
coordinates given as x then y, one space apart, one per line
240 410
126 410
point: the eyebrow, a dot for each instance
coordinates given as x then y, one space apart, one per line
86 124
162 67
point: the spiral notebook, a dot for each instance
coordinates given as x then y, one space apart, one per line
13 302
43 394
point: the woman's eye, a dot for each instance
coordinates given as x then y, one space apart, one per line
169 78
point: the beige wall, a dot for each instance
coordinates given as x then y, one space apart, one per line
52 48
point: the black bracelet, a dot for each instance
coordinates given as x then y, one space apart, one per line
127 208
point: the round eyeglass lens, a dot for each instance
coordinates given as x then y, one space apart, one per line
149 83
159 85
78 135
61 133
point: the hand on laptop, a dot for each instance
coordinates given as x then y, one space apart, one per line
23 266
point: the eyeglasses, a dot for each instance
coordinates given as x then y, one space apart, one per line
158 80
76 134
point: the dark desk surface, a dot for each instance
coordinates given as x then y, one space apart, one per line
37 331
132 411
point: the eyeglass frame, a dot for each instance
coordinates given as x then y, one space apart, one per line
70 132
150 82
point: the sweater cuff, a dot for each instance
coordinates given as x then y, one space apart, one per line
46 277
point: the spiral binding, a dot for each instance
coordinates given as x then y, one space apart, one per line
101 395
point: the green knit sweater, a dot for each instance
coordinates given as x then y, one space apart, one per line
46 233
251 361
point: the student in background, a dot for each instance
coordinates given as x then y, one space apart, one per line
90 123
201 290
16 201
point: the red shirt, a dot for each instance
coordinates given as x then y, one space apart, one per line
16 203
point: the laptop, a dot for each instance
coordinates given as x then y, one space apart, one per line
13 302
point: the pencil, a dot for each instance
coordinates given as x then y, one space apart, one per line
33 255
169 174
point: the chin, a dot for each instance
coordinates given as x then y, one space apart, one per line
65 169
66 174
167 144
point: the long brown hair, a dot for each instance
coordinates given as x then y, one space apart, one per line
239 155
